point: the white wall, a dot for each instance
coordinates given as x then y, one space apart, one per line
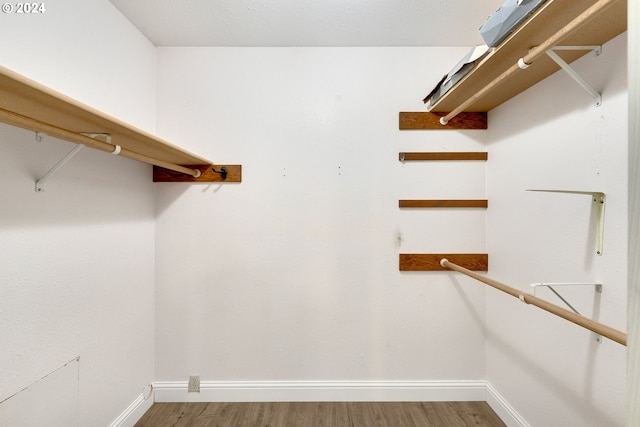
553 137
77 260
293 274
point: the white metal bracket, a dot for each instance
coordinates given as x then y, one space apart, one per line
40 182
54 169
599 200
550 286
106 136
566 67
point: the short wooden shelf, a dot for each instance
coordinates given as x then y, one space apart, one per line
422 120
552 16
443 203
459 155
234 174
431 262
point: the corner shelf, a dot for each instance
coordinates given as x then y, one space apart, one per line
552 16
27 104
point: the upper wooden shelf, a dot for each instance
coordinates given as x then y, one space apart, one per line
552 16
28 104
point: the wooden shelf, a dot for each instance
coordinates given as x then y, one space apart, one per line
444 155
234 174
550 18
32 106
421 120
431 262
443 203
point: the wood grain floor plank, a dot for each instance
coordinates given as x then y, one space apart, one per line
321 414
268 414
476 414
441 414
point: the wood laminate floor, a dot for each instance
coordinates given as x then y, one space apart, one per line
321 414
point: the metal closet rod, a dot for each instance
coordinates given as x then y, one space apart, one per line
585 322
534 54
25 122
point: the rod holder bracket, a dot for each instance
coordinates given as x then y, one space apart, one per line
551 286
597 97
599 200
40 182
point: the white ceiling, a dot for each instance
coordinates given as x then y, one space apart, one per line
309 22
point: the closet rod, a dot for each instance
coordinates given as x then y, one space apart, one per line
533 54
585 322
28 123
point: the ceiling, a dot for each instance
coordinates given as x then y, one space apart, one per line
309 22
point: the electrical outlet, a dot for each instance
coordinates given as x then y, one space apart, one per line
194 384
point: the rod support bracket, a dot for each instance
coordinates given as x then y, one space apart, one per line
40 182
597 97
551 286
599 200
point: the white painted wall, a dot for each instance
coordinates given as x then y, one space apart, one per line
292 275
78 260
553 137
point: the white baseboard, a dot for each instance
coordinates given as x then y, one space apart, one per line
503 409
133 413
321 391
324 391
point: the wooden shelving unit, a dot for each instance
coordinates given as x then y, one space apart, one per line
30 105
552 17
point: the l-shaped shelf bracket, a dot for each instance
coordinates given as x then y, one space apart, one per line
40 182
572 73
598 289
599 200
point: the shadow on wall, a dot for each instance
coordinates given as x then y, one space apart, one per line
560 391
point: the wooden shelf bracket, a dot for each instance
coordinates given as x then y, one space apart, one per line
599 200
597 97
